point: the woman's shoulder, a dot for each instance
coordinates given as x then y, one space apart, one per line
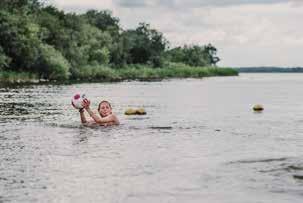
115 118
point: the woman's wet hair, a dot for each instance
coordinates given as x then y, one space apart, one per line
104 101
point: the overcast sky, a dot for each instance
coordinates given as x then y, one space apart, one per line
245 32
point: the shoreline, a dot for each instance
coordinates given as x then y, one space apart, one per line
106 74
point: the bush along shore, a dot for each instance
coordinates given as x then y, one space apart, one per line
135 72
39 42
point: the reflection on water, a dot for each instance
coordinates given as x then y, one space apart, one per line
199 142
14 108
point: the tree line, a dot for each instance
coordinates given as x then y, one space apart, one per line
39 38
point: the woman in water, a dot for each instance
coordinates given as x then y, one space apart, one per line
106 118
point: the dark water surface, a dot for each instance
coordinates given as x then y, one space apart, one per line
199 142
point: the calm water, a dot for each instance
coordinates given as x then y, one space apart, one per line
199 142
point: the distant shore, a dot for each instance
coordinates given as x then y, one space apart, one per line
269 70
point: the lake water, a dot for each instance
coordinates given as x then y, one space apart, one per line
200 141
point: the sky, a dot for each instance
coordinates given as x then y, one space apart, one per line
245 32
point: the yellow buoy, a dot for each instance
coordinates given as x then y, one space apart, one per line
258 107
130 111
141 111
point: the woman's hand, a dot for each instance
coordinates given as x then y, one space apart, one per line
73 105
86 103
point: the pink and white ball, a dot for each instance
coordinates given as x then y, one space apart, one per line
77 100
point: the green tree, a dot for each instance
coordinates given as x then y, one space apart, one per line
52 29
193 55
4 60
79 42
51 64
210 52
19 40
120 51
175 55
146 45
104 20
21 6
98 44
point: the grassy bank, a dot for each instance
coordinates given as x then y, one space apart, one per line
11 77
143 72
131 72
173 72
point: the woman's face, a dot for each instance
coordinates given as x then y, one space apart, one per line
105 109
